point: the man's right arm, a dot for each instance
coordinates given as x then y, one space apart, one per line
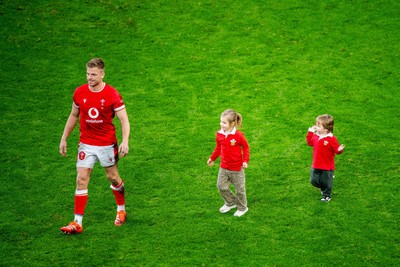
69 127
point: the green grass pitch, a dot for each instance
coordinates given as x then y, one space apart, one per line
178 65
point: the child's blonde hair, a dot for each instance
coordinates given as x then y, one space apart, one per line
326 122
233 116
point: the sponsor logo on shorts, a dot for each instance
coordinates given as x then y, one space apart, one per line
82 155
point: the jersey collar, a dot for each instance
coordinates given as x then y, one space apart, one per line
104 85
226 134
322 137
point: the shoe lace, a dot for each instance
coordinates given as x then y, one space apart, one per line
72 227
120 216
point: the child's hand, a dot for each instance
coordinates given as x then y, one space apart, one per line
313 128
210 162
245 165
341 147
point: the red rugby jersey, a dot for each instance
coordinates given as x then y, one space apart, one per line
97 111
233 149
324 150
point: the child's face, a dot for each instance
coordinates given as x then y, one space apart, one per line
226 126
320 129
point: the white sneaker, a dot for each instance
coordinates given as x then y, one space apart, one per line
240 213
326 199
225 208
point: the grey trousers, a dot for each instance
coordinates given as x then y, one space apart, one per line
238 179
322 179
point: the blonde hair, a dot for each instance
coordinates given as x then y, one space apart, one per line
233 116
96 63
326 121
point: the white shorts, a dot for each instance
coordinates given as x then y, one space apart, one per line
88 155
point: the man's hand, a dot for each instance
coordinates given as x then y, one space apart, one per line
123 149
63 148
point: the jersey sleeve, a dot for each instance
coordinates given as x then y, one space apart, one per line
246 149
309 138
118 102
335 146
217 150
75 99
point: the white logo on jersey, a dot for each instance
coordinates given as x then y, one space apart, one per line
93 113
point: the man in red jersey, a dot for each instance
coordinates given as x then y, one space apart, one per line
95 104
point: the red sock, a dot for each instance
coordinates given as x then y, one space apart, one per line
119 193
81 198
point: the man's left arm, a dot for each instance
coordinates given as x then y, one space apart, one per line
122 115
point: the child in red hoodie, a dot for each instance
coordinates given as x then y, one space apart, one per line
234 150
325 147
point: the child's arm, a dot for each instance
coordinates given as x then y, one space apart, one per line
310 134
336 147
215 154
245 151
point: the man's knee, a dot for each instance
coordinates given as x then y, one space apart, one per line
82 178
114 179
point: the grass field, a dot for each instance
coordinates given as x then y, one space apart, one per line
178 65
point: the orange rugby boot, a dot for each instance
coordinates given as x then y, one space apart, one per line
72 228
121 218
